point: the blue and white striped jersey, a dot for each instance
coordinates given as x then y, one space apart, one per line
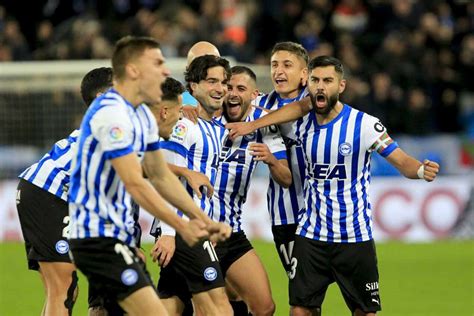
338 175
52 172
284 204
99 205
236 167
196 147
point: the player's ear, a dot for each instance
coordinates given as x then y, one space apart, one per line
132 70
164 112
193 86
255 94
342 85
304 76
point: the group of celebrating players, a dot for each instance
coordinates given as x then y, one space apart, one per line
79 205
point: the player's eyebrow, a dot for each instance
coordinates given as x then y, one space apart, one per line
323 78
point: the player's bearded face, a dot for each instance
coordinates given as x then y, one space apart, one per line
322 102
324 86
238 98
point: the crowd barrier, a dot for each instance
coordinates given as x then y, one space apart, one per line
402 209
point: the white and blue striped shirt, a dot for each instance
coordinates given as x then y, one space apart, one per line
338 175
284 204
236 167
52 172
196 147
99 205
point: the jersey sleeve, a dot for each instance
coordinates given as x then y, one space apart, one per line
153 139
274 141
376 137
112 128
179 143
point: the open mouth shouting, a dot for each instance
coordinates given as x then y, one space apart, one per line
321 100
234 107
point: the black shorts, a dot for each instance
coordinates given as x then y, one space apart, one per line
191 270
96 299
44 220
353 266
284 237
113 269
232 249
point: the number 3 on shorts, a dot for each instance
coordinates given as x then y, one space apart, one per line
289 261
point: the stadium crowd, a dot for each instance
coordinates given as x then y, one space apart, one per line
420 52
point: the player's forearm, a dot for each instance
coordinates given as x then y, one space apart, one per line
178 171
288 113
174 192
410 167
144 194
407 165
281 174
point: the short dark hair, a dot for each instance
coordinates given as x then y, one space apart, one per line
236 70
292 47
197 70
324 61
127 48
95 81
172 88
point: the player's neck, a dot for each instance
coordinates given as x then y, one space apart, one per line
324 119
290 95
128 93
205 115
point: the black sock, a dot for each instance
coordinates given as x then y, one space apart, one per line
240 308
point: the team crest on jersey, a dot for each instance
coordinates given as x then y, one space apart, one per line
250 137
116 134
62 247
345 149
210 274
180 130
129 277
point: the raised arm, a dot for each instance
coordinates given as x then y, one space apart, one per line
411 167
287 113
130 172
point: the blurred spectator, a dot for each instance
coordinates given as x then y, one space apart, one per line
410 61
385 102
14 39
350 16
418 117
308 30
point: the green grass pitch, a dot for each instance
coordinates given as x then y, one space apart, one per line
416 280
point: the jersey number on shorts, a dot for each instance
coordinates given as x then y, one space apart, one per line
210 250
66 228
289 261
125 252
